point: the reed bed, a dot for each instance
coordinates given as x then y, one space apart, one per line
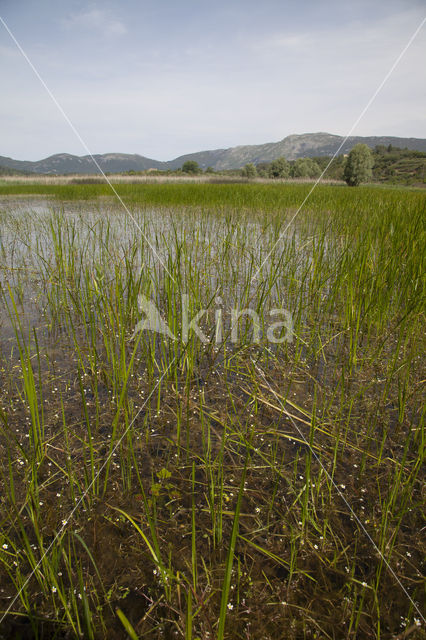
163 486
150 178
114 178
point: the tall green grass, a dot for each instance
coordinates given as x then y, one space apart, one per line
171 487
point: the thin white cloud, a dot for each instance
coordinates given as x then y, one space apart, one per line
292 42
357 37
163 94
9 52
98 20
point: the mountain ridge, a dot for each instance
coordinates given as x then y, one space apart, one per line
292 147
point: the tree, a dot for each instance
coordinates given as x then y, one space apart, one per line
359 165
279 168
249 171
305 168
262 169
190 166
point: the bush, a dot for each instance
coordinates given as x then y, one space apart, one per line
305 168
249 171
192 167
279 168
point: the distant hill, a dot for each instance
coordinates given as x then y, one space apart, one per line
67 163
291 147
7 171
10 171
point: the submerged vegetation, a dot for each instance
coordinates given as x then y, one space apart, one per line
170 488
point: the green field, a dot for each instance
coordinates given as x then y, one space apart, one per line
266 482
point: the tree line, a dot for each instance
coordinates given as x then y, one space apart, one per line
354 169
362 164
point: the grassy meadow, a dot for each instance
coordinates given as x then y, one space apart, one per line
153 486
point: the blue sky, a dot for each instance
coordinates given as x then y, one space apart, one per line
163 78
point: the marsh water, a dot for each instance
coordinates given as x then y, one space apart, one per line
151 443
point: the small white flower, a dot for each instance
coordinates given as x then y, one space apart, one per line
53 589
64 523
230 606
364 584
5 546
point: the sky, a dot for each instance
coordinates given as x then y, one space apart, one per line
162 78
